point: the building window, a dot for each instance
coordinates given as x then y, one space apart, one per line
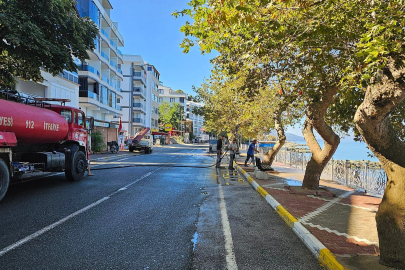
172 100
182 100
149 68
160 99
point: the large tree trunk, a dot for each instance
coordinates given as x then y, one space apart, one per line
269 157
315 112
373 122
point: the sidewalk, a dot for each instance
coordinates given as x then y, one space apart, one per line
342 219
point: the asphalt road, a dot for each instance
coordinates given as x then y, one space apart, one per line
157 211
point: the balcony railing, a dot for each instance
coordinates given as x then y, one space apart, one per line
113 64
113 44
138 105
138 120
89 69
105 33
88 94
103 54
138 91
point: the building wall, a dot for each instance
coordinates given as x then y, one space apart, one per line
52 87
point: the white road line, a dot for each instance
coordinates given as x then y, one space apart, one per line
63 220
324 207
122 159
226 228
50 227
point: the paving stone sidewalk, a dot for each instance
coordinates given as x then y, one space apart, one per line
341 218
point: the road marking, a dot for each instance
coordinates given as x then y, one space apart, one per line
226 228
67 218
325 207
50 227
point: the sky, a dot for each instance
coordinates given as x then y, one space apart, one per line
149 30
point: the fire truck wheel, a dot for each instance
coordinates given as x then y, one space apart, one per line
4 179
78 167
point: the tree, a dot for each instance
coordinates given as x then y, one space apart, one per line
337 49
170 113
41 34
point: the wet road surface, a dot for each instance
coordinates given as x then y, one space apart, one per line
156 211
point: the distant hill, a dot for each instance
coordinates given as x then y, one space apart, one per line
291 137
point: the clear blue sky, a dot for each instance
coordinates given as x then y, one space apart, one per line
149 30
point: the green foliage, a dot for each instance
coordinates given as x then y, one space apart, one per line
308 45
41 34
97 142
170 113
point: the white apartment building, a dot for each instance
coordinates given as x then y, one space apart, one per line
100 76
141 97
153 106
134 89
197 120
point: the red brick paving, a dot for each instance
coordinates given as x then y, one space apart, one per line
341 245
300 205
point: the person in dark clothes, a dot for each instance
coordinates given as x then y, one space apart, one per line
219 151
251 152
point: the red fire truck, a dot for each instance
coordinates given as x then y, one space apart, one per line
38 136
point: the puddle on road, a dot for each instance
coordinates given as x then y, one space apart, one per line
194 240
293 183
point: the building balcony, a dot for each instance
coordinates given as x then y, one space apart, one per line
139 76
138 91
112 43
139 107
105 33
89 69
119 53
103 54
138 121
89 94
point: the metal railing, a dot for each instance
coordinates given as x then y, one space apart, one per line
103 54
358 174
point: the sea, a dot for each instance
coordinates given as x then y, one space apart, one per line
349 150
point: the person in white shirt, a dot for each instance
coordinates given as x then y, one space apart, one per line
233 147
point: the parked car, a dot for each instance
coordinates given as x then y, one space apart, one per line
213 146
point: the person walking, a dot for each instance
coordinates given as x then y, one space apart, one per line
251 152
219 151
233 147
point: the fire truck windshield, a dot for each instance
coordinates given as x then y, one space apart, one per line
67 114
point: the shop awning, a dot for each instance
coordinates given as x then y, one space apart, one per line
159 133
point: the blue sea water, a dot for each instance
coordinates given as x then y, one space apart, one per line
350 150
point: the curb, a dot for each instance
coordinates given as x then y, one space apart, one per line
325 257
